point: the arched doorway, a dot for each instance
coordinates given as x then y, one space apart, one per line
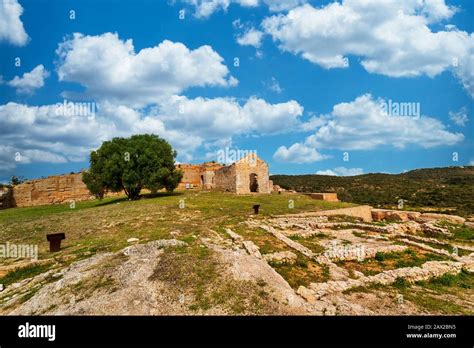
253 182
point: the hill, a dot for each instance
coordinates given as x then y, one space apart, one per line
437 189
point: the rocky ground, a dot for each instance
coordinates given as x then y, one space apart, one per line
311 264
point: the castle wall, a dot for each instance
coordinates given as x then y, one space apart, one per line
6 197
66 188
245 169
200 176
225 179
51 190
191 176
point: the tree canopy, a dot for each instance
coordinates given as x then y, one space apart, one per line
131 164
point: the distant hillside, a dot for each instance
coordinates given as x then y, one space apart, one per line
439 189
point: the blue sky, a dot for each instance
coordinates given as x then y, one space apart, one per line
306 94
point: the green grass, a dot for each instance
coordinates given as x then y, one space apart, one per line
23 273
448 248
392 260
311 243
401 283
460 232
302 272
104 226
450 282
447 284
434 301
31 213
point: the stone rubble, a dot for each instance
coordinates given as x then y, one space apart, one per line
436 241
428 270
431 249
291 243
356 252
283 257
387 214
367 240
425 217
430 227
342 241
234 236
252 249
403 215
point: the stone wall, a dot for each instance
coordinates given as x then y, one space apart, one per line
225 180
329 197
66 188
246 168
51 190
6 198
191 176
362 211
198 176
236 178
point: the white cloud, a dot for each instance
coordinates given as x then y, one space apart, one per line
298 153
11 26
362 125
223 117
30 81
392 38
465 69
460 117
251 37
341 171
110 68
205 8
29 156
313 123
42 134
283 5
274 86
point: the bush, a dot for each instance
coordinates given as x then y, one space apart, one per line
379 256
401 283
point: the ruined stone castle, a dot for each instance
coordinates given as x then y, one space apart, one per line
246 176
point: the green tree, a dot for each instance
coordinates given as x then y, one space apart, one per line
17 180
131 164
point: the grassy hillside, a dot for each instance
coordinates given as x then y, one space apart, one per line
438 189
107 224
94 227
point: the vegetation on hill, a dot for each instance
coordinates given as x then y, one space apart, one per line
436 189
